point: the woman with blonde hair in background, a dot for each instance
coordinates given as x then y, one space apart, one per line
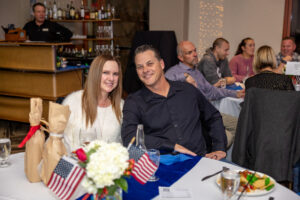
96 111
264 65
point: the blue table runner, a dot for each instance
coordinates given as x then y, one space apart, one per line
168 174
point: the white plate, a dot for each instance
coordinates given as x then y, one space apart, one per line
252 193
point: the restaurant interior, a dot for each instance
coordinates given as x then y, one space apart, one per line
54 70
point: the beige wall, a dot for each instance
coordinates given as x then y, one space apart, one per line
169 15
13 12
261 20
232 19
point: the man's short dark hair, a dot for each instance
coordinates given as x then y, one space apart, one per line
38 4
147 47
218 42
288 38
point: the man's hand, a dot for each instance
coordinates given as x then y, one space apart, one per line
287 58
240 93
216 155
184 150
230 80
190 79
218 84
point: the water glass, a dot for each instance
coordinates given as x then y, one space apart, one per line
87 136
230 182
154 156
5 148
223 83
297 87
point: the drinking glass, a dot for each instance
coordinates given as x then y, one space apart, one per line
5 147
230 181
154 156
223 82
87 136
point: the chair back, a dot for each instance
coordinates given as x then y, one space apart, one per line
268 132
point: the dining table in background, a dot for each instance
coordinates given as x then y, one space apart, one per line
229 105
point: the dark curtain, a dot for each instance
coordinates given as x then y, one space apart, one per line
164 41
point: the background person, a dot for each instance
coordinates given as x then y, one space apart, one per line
186 70
241 64
40 29
214 63
97 108
287 53
264 65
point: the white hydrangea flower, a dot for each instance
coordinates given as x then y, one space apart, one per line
106 164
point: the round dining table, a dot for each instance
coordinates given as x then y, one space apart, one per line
15 186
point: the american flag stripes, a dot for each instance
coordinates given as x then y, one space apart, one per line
65 178
143 167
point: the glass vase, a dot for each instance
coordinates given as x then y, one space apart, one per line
116 196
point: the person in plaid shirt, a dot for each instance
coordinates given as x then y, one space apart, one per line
287 53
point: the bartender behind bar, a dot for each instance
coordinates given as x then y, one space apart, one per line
40 29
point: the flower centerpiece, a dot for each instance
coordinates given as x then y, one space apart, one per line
106 166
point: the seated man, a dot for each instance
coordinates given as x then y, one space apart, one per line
214 64
43 30
174 114
287 53
186 70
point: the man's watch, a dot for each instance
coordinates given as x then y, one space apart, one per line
283 61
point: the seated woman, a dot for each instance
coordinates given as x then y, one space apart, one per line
264 64
241 64
98 108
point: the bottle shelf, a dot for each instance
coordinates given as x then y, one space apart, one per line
100 39
85 20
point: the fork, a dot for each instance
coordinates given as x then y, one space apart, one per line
218 172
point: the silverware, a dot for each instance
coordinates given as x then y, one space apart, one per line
246 186
207 177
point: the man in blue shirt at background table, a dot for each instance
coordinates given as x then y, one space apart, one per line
174 114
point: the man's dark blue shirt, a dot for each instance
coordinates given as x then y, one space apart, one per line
179 118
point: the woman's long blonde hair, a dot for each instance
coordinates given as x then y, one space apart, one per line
92 90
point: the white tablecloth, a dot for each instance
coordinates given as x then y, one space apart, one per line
208 189
14 185
229 105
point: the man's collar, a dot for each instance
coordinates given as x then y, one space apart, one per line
148 95
184 66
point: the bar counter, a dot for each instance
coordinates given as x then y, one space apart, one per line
29 70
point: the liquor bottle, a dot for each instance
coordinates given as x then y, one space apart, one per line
72 11
140 138
113 12
87 13
112 50
46 11
68 12
59 12
99 14
117 51
92 13
50 11
64 14
102 12
108 11
82 11
54 10
77 15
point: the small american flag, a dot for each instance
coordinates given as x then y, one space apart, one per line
143 167
65 178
